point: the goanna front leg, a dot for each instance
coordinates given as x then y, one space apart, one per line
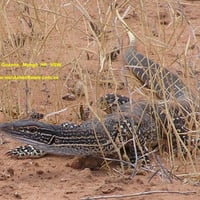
134 144
137 154
29 151
26 151
110 102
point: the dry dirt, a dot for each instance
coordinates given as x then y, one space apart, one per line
170 31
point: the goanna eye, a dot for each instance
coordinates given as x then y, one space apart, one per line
31 129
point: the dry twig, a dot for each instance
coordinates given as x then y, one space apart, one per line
138 194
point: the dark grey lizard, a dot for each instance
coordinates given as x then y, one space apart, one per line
130 129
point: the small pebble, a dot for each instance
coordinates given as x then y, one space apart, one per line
69 97
17 195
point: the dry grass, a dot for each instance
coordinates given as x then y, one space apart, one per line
35 32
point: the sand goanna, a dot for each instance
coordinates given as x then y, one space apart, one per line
131 129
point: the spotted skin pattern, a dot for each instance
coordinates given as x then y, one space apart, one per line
131 128
26 151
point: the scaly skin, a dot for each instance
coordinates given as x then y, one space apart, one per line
165 83
93 137
130 128
120 130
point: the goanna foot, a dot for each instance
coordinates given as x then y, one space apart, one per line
26 151
110 102
142 158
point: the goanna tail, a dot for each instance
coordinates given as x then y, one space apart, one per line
165 83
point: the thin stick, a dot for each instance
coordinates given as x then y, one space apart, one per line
55 113
138 194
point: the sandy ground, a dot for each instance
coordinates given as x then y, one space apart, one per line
59 177
54 177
